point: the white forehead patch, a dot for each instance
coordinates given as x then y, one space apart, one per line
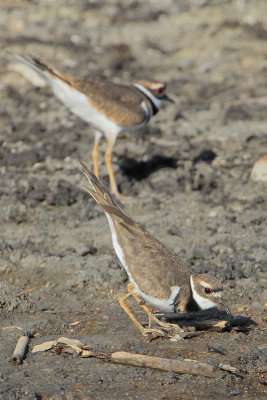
155 86
202 302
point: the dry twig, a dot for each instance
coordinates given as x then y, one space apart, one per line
20 349
163 364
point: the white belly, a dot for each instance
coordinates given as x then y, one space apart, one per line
166 305
80 105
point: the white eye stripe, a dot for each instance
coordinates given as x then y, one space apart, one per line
205 285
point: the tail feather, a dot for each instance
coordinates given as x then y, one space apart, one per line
41 68
33 65
98 186
102 196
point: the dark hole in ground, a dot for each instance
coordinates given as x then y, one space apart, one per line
139 170
205 155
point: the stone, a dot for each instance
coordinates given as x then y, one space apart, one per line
259 170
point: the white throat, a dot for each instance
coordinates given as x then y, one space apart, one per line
157 102
202 302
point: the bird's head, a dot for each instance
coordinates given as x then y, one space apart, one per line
207 292
157 89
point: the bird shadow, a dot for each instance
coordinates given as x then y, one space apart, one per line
139 170
211 319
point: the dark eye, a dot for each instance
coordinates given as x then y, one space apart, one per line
160 89
207 290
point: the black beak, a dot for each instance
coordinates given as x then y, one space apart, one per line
222 306
167 98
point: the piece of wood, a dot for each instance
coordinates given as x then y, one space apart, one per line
228 368
44 346
20 349
70 342
190 367
12 327
166 364
73 343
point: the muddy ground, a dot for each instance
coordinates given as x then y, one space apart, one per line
188 174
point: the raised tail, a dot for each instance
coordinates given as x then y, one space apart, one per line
42 69
103 198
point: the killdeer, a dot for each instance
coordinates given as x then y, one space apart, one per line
158 276
109 107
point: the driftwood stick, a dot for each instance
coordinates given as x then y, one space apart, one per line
20 349
163 364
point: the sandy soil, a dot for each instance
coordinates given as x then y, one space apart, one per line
188 174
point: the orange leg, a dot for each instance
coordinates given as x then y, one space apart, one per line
113 184
95 154
123 304
108 159
151 316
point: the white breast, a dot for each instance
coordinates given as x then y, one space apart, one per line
165 304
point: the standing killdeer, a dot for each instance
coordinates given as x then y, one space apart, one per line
158 276
109 107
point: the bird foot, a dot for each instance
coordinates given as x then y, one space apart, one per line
166 325
151 334
148 331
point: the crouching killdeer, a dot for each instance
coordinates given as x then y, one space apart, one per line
109 107
158 276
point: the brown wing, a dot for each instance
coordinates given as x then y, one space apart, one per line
120 103
154 266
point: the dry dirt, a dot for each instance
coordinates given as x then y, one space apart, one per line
188 174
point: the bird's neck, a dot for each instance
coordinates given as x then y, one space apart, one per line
185 301
151 100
